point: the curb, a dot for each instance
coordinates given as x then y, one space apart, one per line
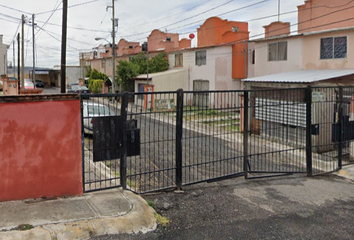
141 218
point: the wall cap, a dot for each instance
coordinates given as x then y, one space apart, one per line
38 98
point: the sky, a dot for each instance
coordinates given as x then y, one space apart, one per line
90 19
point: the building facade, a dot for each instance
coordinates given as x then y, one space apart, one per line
3 56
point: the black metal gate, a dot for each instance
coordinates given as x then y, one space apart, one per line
162 140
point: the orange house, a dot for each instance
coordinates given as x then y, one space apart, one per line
215 32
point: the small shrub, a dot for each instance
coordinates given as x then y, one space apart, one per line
97 86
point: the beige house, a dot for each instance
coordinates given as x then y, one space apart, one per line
324 41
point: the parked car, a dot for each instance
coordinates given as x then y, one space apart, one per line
80 90
69 86
39 83
28 85
93 110
1 85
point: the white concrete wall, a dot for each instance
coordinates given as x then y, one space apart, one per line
170 80
218 68
73 73
293 62
3 57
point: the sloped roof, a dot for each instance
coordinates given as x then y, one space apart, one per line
302 76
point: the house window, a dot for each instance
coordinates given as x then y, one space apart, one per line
200 58
278 51
179 60
253 56
333 47
110 62
103 63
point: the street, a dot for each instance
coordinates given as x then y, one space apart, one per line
51 90
277 208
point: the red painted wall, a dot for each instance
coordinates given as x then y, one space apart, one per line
40 153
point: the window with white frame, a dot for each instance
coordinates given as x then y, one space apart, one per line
200 58
103 63
333 47
278 51
179 60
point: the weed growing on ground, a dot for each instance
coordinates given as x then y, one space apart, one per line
162 220
23 227
151 204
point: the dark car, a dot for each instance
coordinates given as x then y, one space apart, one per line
79 89
39 83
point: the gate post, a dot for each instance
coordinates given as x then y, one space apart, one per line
123 153
340 125
83 142
308 100
179 131
245 134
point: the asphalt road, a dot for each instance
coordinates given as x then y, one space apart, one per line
294 207
53 90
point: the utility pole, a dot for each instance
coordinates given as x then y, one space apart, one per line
18 59
82 63
13 57
23 53
34 65
114 52
63 47
147 67
278 10
114 24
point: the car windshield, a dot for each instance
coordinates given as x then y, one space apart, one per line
79 88
38 81
98 110
28 84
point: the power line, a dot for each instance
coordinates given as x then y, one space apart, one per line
14 9
172 15
11 17
56 6
76 5
251 5
270 16
76 28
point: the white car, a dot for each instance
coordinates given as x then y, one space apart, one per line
91 110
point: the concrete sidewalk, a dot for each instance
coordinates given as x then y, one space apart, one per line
94 214
346 172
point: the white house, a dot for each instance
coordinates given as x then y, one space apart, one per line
3 56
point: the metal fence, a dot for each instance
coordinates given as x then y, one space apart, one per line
99 171
159 140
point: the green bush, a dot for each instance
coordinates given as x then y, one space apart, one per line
97 86
90 83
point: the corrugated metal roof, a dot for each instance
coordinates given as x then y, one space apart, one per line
302 76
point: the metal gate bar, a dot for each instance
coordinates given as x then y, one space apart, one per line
205 136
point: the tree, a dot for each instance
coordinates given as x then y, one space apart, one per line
140 61
158 63
126 71
95 75
88 71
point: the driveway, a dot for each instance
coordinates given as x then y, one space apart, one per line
295 207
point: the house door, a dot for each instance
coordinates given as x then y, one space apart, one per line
201 99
